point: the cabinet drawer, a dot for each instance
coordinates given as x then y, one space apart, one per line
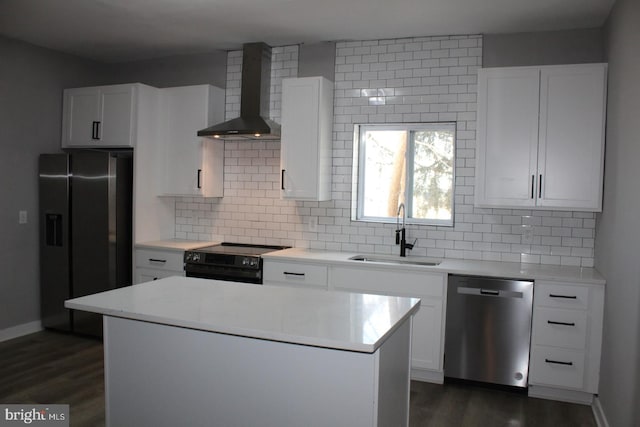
560 328
561 296
161 260
557 367
150 274
295 274
388 281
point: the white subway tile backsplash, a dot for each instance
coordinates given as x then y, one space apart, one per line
378 81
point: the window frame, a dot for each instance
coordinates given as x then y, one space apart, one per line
359 156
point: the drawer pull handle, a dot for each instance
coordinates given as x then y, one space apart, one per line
553 322
157 260
558 362
563 296
288 273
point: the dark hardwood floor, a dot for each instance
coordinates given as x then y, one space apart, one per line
49 367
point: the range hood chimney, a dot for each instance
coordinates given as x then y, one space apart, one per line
254 122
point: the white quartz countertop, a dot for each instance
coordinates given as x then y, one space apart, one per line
337 320
174 244
453 266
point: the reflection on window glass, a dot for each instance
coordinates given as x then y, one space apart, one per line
411 164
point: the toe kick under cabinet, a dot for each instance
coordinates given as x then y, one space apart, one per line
566 340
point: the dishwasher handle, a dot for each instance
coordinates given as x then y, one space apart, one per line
483 292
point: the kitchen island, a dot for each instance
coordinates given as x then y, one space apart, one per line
185 351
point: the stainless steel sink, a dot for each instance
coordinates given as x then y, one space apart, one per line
393 260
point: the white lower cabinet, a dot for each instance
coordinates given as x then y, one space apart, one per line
295 274
154 264
566 340
150 274
428 324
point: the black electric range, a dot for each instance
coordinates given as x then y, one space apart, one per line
236 262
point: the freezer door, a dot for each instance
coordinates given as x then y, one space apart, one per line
55 285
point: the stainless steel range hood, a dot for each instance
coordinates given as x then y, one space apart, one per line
254 122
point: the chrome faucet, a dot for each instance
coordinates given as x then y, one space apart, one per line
401 234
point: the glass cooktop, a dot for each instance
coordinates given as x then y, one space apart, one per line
240 249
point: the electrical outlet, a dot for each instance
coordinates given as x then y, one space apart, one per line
527 234
22 217
312 223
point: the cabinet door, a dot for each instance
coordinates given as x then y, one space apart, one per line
190 161
102 116
507 141
117 121
428 333
80 115
572 100
306 137
426 346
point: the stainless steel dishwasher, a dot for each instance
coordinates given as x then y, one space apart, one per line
488 329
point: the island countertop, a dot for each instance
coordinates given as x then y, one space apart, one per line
338 320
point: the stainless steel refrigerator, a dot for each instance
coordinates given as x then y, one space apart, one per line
85 216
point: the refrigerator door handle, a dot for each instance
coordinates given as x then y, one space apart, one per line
53 229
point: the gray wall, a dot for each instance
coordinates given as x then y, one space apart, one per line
31 83
317 59
618 233
543 48
180 70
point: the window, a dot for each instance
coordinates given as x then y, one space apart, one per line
404 163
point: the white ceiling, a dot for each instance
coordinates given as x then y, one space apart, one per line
123 30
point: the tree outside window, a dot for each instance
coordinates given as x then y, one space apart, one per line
406 163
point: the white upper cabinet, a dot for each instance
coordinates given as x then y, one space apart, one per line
540 141
103 116
572 130
506 157
307 130
193 165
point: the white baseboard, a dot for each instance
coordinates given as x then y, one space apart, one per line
598 413
561 395
426 375
20 330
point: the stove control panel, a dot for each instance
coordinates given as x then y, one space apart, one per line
251 262
191 256
222 260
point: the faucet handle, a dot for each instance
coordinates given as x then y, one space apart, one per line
397 236
411 245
